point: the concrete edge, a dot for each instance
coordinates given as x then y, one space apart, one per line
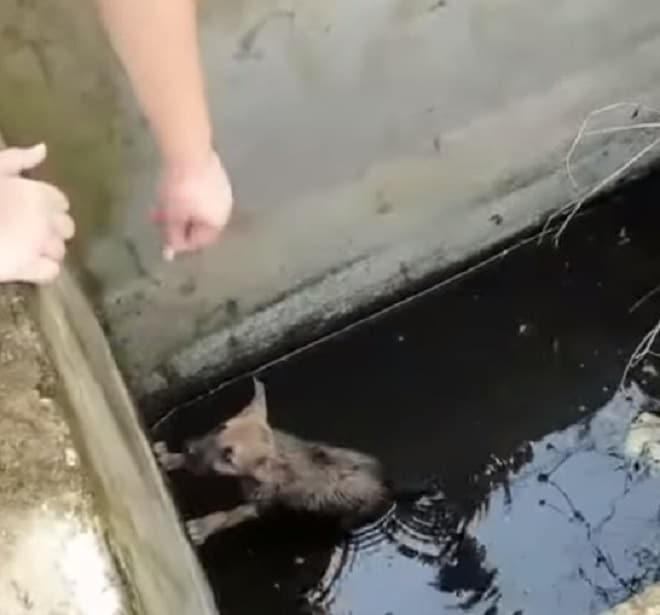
46 504
646 602
145 534
530 152
326 303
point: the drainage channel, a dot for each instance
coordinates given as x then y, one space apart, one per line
503 387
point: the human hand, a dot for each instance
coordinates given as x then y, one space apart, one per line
195 203
34 220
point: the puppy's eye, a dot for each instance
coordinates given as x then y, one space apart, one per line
227 454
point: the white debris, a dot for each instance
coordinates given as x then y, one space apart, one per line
72 573
649 369
70 457
643 441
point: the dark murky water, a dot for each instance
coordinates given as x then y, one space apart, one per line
503 385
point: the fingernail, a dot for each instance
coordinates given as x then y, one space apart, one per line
169 253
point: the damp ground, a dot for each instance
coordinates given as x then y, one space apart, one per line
503 385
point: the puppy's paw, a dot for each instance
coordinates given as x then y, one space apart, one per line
166 460
200 529
160 450
195 528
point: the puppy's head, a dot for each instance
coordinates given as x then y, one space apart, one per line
243 446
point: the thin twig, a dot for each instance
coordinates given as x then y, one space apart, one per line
581 132
575 204
613 129
551 219
600 185
644 299
644 347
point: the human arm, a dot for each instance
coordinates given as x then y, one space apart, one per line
156 41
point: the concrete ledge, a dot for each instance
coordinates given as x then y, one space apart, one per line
331 301
143 529
46 506
645 603
292 285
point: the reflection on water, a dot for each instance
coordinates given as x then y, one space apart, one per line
581 518
568 523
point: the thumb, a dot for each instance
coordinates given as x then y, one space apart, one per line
14 160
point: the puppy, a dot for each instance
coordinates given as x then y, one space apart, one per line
279 470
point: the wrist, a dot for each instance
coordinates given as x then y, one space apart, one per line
184 141
184 161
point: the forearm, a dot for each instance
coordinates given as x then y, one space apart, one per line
156 41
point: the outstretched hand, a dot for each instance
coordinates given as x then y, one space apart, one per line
34 220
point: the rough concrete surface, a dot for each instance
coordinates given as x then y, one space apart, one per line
147 540
370 143
646 603
54 557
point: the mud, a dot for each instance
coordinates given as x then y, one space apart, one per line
505 386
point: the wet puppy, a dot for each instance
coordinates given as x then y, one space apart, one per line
279 470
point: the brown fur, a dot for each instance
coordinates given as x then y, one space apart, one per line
277 469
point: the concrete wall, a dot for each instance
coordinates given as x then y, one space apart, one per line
371 143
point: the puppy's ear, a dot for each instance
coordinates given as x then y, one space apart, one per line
257 408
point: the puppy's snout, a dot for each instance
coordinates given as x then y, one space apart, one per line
196 458
191 448
195 450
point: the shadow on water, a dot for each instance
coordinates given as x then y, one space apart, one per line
502 386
